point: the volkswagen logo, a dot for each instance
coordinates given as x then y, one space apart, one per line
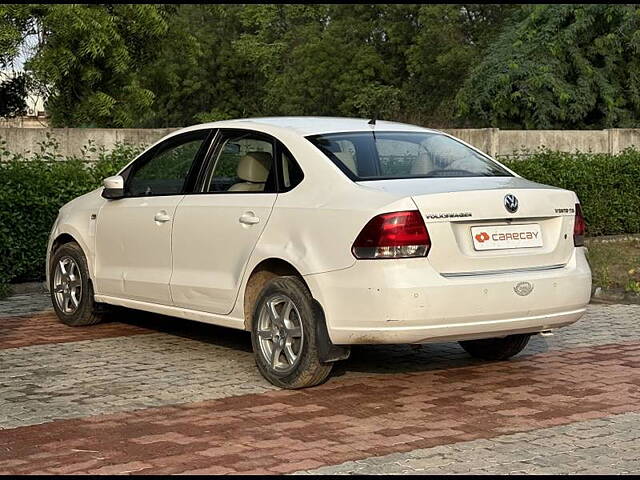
523 288
511 203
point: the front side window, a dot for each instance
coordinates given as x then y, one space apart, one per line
165 171
244 164
384 155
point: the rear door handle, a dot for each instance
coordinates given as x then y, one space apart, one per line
162 217
248 218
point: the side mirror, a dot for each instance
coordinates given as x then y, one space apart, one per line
113 187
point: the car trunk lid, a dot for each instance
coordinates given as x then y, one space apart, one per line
457 210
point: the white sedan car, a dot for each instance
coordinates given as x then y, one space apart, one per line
315 234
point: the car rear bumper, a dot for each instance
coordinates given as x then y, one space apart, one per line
407 301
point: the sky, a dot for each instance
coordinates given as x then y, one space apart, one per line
26 50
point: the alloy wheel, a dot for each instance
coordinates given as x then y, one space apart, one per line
67 285
280 333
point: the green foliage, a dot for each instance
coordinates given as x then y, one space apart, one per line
318 59
449 40
607 185
13 93
445 65
31 192
197 76
561 66
159 66
89 59
389 61
15 21
615 264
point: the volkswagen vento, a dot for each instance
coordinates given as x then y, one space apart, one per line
315 234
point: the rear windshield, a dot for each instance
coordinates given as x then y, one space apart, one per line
384 155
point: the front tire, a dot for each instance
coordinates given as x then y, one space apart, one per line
496 348
283 335
71 289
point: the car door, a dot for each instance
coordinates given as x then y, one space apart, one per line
133 234
216 229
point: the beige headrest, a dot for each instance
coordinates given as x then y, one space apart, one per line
254 167
348 160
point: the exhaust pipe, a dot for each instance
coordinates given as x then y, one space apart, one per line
546 333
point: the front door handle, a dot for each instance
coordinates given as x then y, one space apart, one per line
162 217
248 218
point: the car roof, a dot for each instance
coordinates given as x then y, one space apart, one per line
318 125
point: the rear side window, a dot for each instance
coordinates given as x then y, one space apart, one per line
244 165
385 155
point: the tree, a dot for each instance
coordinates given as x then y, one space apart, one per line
403 62
449 41
227 61
151 65
561 66
319 60
197 75
89 59
540 66
13 93
14 24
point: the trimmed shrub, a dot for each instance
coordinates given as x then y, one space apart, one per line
32 189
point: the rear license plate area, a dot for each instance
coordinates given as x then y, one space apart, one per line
502 237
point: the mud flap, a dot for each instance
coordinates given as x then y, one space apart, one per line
327 351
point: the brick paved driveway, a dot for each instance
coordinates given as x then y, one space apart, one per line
151 394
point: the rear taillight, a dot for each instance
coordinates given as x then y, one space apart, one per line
393 235
579 227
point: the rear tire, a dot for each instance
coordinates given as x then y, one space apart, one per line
496 348
283 335
71 289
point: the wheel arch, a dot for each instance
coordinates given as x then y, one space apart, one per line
62 237
61 240
261 273
270 268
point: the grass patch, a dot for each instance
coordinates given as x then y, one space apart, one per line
615 265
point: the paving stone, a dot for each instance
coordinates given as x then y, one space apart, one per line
187 361
567 404
63 383
44 329
604 459
298 423
27 303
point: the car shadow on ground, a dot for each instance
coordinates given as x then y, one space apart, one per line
364 359
201 332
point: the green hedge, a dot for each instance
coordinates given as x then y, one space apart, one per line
608 186
32 190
